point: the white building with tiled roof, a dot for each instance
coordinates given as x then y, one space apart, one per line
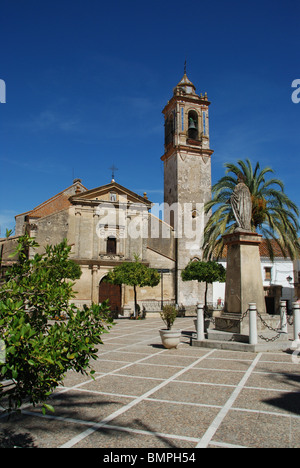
280 279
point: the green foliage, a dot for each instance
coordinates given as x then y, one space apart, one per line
134 274
168 315
8 233
274 215
39 351
206 272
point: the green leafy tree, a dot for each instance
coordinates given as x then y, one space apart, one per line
39 351
204 272
8 233
274 215
134 274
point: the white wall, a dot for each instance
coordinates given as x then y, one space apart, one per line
281 270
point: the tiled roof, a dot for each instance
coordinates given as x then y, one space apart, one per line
263 250
58 202
53 205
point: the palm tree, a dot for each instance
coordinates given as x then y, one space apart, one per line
274 215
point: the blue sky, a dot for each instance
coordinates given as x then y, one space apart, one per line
86 82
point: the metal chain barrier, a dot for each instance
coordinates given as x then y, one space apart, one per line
289 319
212 319
274 338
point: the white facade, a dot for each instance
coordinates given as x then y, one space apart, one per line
281 272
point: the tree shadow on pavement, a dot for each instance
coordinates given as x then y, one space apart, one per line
288 401
11 439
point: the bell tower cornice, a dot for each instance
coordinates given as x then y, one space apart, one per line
200 151
199 100
181 94
187 121
185 91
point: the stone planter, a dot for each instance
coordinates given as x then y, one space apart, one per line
170 338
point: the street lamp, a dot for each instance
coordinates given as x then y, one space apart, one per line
162 271
289 280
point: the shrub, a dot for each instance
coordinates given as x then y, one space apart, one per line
168 315
38 351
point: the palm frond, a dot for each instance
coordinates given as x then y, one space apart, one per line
277 217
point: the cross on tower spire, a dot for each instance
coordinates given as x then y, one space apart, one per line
113 169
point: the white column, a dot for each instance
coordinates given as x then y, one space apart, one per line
283 317
200 322
94 285
252 324
296 310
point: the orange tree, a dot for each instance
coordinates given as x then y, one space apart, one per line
36 351
134 274
204 272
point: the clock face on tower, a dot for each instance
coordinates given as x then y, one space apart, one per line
188 90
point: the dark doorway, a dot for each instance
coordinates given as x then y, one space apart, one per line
270 305
112 292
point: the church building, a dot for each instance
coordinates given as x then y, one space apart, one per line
111 224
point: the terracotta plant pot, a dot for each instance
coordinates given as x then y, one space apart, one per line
170 338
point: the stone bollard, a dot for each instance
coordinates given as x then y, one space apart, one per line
252 324
200 322
296 311
283 317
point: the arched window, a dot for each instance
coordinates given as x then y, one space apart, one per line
111 246
169 129
193 127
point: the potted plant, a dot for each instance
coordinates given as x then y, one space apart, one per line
170 338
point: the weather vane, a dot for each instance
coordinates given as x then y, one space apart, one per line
113 168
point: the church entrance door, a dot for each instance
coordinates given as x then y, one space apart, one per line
112 292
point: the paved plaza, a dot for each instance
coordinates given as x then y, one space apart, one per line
145 396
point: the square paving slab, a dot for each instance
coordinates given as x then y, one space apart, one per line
145 396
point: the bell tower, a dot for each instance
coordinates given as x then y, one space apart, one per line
187 178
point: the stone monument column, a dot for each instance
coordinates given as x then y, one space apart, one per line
244 282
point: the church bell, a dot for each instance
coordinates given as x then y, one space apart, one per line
192 124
